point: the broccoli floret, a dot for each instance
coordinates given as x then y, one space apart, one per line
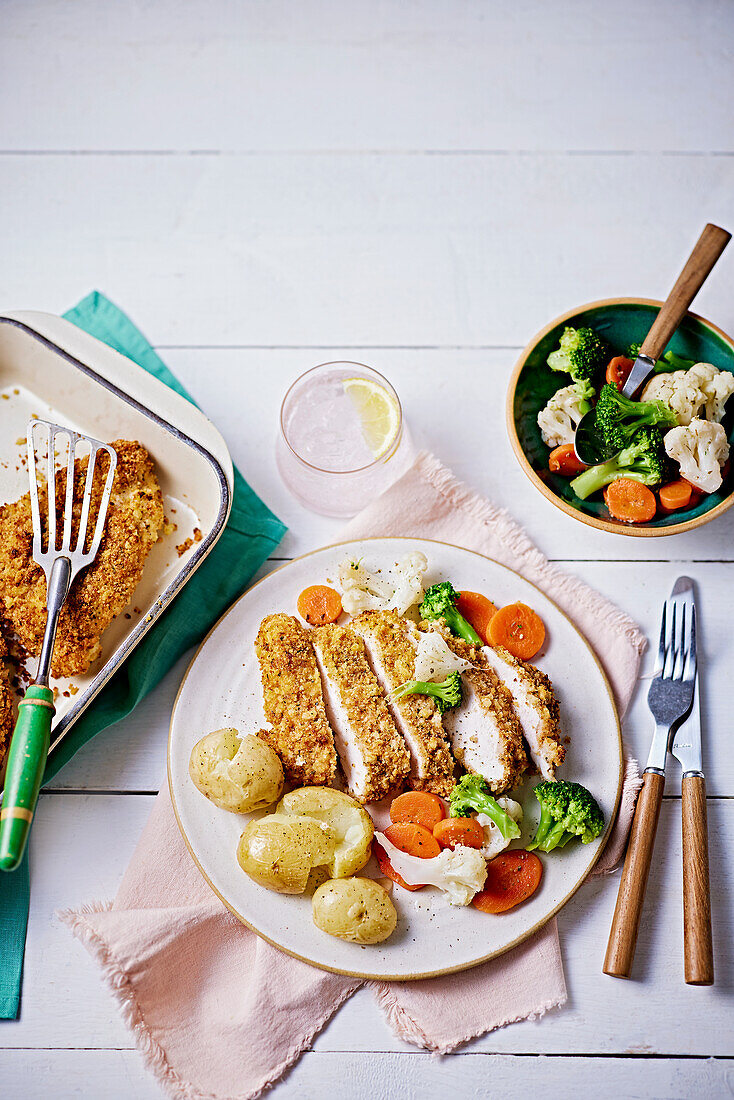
582 353
643 460
567 810
440 602
472 795
586 394
619 418
447 694
669 362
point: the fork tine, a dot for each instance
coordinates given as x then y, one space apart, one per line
681 647
84 517
104 500
51 485
670 616
663 635
69 500
35 511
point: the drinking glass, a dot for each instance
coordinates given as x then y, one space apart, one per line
342 438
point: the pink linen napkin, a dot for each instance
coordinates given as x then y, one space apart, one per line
218 1013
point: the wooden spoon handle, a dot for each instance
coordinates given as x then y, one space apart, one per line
706 252
626 920
698 948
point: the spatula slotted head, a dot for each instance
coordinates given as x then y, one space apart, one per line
68 510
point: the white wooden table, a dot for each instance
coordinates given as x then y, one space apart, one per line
419 185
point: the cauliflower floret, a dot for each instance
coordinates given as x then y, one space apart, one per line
700 449
494 842
434 661
683 394
460 872
558 420
717 386
396 588
689 392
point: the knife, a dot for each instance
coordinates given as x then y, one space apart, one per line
697 941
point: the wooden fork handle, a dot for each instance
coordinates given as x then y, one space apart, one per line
627 912
697 946
699 264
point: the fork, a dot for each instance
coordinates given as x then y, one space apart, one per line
670 698
61 564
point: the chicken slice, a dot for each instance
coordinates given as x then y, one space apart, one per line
390 645
294 703
535 706
372 753
485 733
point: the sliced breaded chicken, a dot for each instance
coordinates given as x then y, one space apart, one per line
294 702
486 736
372 753
100 592
390 647
7 717
535 705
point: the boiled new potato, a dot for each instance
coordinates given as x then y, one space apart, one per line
356 909
280 850
237 775
350 823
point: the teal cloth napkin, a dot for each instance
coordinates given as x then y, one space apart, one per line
251 534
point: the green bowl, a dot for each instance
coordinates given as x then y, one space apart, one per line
622 321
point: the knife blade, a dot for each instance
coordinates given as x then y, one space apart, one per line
686 746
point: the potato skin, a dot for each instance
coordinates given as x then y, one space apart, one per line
238 775
354 909
349 821
279 851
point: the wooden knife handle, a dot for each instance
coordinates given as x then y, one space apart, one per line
697 946
626 920
699 264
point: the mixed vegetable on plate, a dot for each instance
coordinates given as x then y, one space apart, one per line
402 720
663 451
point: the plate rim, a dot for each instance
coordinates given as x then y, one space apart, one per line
364 975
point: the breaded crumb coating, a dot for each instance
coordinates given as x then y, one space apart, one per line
294 703
389 640
7 720
373 755
100 592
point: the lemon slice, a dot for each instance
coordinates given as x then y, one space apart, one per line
378 412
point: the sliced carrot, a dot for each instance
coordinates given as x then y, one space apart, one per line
477 610
389 871
519 629
413 839
511 878
319 604
675 495
563 460
459 830
630 501
418 808
619 370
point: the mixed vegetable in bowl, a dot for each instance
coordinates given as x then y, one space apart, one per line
663 451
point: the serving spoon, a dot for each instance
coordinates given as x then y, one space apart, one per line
589 445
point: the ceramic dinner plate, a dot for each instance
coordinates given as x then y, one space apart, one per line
222 688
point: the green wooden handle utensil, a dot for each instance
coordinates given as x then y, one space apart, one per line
26 762
61 563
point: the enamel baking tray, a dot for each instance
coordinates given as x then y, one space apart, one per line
50 368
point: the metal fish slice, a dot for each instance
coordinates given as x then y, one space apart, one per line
61 554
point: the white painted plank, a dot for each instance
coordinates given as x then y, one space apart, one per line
131 755
110 1074
66 1005
357 250
429 74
